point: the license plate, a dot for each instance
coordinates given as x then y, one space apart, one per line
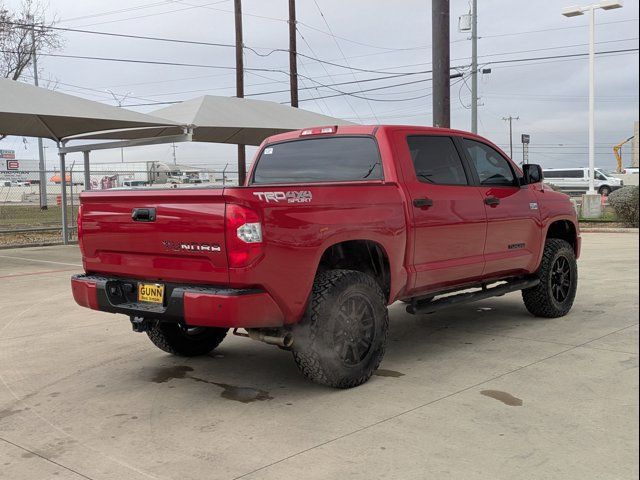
150 292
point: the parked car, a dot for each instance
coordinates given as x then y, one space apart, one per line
577 180
134 183
15 183
332 225
631 171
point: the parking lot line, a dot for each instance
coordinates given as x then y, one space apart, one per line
41 261
42 272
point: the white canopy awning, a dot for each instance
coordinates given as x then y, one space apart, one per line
229 120
31 111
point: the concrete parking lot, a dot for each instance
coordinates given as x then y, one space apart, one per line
483 391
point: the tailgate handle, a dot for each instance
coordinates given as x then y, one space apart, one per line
143 214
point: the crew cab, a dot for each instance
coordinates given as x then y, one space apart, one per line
332 225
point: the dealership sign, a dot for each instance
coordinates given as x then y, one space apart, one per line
13 165
8 154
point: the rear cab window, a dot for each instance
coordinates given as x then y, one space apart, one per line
436 160
318 160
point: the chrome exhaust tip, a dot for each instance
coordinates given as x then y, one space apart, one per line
282 340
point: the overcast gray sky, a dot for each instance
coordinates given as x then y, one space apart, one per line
550 96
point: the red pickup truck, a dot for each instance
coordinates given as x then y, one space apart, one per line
332 226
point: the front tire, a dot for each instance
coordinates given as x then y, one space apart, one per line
341 340
184 341
553 297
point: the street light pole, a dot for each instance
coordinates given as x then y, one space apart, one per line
591 11
592 99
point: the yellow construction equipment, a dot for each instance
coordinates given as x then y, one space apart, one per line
616 151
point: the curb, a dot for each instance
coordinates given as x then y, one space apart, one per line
609 230
30 245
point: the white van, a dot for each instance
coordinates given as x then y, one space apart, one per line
577 180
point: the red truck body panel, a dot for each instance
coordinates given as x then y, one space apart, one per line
114 244
458 240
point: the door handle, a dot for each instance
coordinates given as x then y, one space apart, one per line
423 203
492 201
143 214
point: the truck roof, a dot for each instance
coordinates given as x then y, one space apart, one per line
370 130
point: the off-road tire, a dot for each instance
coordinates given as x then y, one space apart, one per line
540 300
183 342
338 298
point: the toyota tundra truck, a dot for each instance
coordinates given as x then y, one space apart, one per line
332 226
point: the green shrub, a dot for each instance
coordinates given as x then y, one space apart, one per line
625 203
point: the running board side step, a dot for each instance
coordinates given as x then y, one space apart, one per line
442 303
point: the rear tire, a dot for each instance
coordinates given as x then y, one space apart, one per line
553 297
183 341
341 340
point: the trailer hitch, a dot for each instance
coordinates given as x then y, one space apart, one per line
139 324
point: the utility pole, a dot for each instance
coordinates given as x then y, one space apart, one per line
119 100
441 66
242 159
510 119
474 66
293 62
174 147
42 175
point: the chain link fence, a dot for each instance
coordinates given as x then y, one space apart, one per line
29 218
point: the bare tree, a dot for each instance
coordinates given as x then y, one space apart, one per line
17 41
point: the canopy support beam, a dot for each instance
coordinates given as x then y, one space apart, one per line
185 137
63 193
87 170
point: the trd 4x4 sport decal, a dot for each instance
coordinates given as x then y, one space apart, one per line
292 196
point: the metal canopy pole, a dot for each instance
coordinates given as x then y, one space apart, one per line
63 189
87 170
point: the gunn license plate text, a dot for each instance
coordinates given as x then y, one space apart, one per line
150 292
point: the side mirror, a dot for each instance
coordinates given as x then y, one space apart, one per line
532 174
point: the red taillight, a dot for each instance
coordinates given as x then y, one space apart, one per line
80 243
318 131
243 233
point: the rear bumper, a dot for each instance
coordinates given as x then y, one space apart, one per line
195 305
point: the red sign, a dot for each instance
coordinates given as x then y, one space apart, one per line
13 165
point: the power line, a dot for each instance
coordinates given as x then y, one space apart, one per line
577 55
327 72
340 93
151 14
344 57
314 58
122 10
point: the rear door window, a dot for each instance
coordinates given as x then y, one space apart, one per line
436 160
330 159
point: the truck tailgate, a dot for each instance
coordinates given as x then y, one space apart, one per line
177 235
